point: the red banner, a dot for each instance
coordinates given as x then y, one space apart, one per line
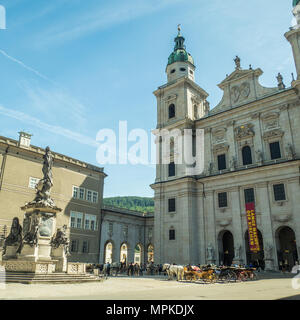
252 227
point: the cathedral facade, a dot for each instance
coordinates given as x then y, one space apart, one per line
251 154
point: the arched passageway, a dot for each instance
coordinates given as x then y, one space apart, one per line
226 248
255 258
286 248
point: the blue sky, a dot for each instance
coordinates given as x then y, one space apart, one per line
71 68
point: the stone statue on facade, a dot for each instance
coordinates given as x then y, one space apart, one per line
210 168
290 153
259 156
210 252
281 85
237 61
237 252
60 238
233 164
43 188
268 251
15 236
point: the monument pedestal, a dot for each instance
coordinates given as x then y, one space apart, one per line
11 253
59 255
29 253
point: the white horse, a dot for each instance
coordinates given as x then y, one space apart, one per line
174 270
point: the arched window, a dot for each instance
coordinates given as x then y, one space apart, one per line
109 252
247 156
172 234
138 254
171 111
123 253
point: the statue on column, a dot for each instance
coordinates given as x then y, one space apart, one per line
15 236
44 186
60 238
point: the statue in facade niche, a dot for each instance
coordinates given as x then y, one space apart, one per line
233 163
290 153
15 236
259 156
61 238
210 168
210 252
268 251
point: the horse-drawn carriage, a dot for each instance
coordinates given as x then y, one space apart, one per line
210 274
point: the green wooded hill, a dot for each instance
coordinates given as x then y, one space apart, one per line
141 204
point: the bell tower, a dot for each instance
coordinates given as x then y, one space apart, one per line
293 36
180 102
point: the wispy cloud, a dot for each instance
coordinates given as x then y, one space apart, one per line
23 117
22 64
53 99
97 18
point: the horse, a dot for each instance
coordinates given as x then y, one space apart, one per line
174 270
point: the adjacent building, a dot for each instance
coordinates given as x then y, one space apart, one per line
78 190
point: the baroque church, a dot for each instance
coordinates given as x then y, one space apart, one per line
251 160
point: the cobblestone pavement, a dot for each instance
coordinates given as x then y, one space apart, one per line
270 286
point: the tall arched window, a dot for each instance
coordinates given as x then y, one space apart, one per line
171 111
247 156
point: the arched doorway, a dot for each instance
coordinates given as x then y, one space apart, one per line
124 253
138 254
108 251
226 248
286 247
257 259
150 253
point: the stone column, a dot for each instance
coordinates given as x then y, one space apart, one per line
238 239
232 152
293 194
263 200
201 226
293 36
159 227
210 226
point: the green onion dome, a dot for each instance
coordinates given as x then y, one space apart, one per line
180 53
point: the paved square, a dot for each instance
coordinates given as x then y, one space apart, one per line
156 288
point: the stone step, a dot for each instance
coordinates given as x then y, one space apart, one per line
23 277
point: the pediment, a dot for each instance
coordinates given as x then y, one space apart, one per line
239 75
